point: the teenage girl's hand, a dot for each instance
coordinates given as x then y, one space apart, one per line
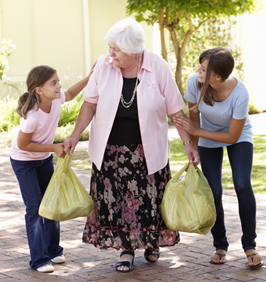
59 150
92 68
186 124
70 143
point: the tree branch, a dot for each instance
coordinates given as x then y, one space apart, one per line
203 22
192 29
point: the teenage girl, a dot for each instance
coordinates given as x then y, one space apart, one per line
32 161
218 111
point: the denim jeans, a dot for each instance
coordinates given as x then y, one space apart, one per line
43 234
240 157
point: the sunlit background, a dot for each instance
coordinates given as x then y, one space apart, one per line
68 35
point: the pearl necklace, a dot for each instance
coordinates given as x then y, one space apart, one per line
128 104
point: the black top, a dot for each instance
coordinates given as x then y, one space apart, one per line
125 130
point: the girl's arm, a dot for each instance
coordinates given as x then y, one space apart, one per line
24 143
191 152
86 114
74 90
193 128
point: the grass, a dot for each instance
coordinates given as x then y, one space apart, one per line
63 132
178 158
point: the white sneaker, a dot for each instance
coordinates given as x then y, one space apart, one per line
59 259
46 268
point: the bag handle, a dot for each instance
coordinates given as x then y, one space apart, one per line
187 167
63 164
179 173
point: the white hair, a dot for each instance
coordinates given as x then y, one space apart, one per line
128 35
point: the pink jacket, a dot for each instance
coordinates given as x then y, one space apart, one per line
157 96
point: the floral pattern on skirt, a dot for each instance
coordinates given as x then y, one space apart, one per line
127 202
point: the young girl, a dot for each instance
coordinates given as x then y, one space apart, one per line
218 111
32 161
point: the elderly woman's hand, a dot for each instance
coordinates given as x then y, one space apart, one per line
70 143
192 154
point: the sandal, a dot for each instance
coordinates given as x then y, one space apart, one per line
257 265
220 257
153 252
128 264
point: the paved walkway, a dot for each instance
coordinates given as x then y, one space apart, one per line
188 261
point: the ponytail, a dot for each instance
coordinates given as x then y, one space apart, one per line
26 102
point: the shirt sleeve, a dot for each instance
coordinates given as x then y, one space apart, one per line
28 125
173 99
241 109
192 89
91 94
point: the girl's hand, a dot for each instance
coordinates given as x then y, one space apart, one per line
92 68
59 150
185 123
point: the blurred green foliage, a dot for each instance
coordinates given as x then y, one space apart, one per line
6 49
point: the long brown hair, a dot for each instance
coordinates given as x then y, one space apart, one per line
36 78
221 62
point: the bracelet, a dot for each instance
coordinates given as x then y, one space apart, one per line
187 142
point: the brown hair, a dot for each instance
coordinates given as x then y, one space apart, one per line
36 78
222 63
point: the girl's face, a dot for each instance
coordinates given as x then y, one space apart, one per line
202 70
120 59
51 89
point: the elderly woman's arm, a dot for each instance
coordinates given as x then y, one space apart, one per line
191 152
86 113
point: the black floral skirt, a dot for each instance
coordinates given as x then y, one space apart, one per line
127 202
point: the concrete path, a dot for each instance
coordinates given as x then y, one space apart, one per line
188 261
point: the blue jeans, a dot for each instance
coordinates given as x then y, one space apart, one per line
240 157
43 234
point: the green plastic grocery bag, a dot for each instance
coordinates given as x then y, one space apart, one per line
188 203
65 197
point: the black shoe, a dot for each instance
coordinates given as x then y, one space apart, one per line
128 264
149 252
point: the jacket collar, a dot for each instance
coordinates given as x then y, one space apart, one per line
146 64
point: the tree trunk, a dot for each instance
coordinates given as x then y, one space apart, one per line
179 60
179 47
178 74
163 45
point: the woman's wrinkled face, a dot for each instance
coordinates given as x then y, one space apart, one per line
120 59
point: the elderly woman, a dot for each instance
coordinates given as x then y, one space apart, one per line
127 99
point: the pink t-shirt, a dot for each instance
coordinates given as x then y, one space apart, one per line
157 96
43 125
